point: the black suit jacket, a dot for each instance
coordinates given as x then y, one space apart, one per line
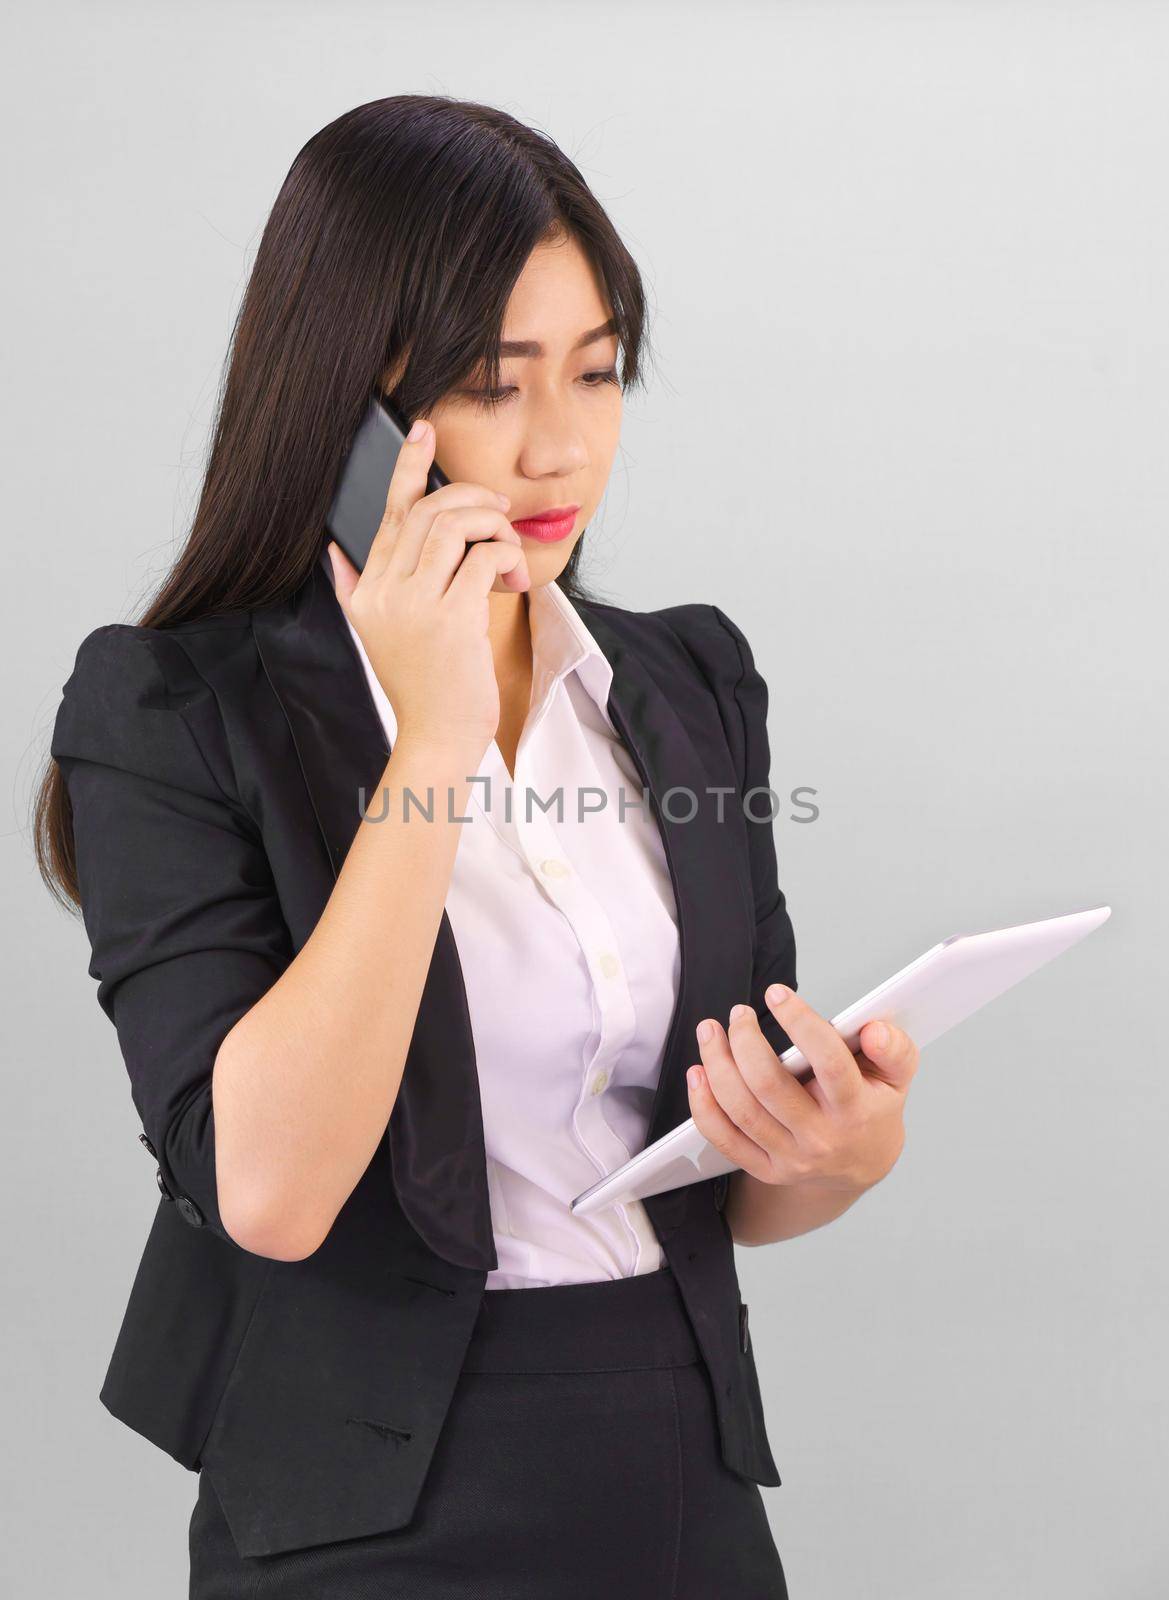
215 771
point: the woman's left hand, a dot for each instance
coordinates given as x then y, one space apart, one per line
843 1130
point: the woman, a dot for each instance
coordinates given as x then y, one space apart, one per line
378 1046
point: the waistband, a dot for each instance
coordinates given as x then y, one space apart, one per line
613 1325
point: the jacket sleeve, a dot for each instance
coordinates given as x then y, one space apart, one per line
723 652
176 891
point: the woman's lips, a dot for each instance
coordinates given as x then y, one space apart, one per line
548 526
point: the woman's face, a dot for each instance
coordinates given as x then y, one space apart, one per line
550 439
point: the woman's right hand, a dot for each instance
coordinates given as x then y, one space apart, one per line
420 607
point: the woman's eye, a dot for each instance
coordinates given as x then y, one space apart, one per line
490 398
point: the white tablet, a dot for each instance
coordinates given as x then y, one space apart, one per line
930 995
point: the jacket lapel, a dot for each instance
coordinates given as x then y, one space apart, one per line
435 1132
705 867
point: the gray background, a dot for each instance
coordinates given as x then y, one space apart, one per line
908 266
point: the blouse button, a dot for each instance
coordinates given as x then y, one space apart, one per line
553 868
610 965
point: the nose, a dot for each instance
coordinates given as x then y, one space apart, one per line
553 445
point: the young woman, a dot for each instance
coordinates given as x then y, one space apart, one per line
387 1004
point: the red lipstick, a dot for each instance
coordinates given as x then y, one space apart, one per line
547 526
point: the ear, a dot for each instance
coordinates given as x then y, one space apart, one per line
392 376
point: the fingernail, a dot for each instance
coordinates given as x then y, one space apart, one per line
503 499
694 1075
778 993
737 1011
880 1035
418 431
705 1031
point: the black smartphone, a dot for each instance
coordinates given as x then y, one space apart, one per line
360 501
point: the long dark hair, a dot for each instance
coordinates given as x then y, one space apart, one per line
398 235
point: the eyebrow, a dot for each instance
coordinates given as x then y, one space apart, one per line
533 347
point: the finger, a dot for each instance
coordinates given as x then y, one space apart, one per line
517 578
717 1128
345 574
446 544
831 1060
734 1095
890 1051
779 1090
407 486
403 530
482 564
415 531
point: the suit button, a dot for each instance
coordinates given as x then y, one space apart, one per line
150 1148
744 1335
189 1210
162 1188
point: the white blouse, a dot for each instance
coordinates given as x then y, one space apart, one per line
566 927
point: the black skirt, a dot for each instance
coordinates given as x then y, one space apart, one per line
579 1458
